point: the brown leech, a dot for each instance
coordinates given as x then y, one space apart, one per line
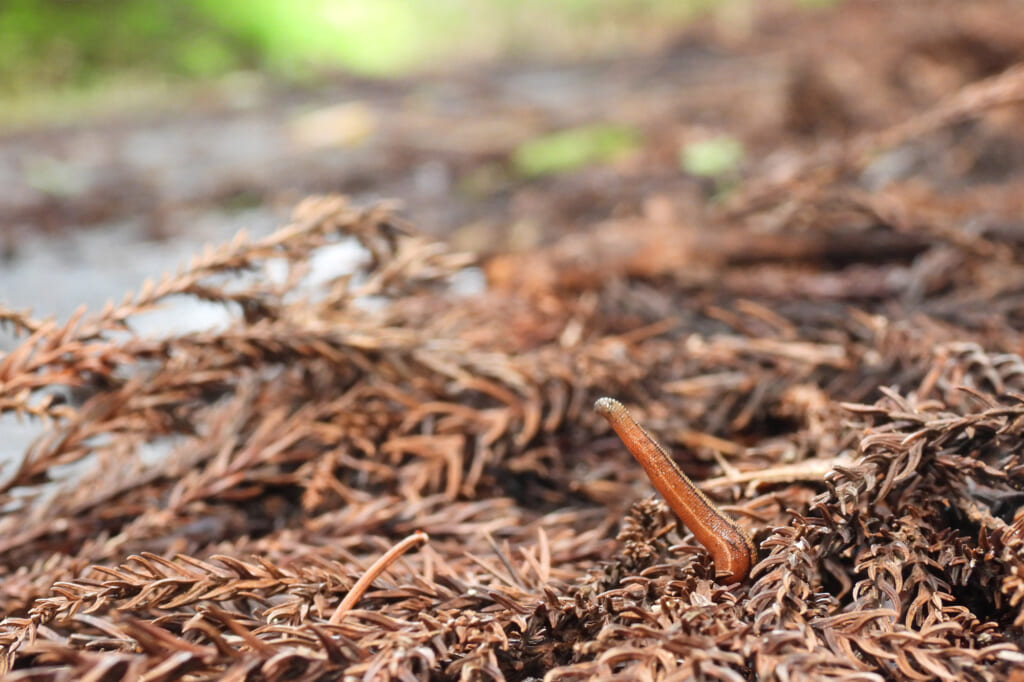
731 547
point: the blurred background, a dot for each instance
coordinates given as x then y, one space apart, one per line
61 45
133 132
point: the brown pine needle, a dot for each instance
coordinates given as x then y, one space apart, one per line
378 567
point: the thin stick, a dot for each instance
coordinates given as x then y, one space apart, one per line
808 470
378 567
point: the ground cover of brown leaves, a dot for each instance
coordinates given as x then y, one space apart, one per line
837 363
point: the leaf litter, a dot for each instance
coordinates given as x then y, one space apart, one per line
379 476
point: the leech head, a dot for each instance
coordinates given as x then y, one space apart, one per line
607 407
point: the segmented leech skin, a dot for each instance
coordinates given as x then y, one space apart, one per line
731 547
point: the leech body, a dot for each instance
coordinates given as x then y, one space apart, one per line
731 548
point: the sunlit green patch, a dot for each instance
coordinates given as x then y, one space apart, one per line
816 4
382 37
573 148
712 158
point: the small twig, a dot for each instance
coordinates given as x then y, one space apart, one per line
378 567
807 470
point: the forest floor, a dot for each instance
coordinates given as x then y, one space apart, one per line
791 244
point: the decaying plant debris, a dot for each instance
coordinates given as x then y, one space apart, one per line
841 369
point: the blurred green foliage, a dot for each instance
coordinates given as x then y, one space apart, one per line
569 149
50 44
46 44
712 158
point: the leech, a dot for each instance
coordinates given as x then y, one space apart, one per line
731 548
379 566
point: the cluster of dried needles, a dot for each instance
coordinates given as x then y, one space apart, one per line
253 503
